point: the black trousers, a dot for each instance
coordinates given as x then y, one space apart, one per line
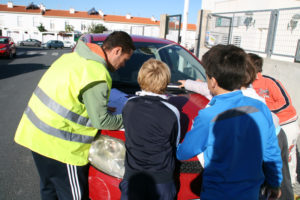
143 187
61 181
286 185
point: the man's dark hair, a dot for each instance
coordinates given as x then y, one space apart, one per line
228 65
119 39
257 61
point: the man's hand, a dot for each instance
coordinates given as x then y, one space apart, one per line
111 109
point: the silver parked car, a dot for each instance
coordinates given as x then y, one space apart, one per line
30 42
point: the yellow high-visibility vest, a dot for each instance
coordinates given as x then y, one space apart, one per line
55 123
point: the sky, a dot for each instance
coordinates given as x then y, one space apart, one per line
136 8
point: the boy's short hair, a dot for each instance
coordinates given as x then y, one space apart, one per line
250 74
119 39
257 61
228 65
154 76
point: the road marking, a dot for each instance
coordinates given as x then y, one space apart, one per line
19 54
36 53
31 52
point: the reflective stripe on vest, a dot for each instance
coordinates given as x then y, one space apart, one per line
62 111
56 132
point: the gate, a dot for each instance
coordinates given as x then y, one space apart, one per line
274 32
218 30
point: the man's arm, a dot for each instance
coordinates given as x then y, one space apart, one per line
95 100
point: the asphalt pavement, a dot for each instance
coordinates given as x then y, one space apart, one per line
18 78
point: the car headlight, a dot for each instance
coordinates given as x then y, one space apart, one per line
3 49
107 154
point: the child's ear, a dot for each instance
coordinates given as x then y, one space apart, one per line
214 82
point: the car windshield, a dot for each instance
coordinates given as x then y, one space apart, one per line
3 40
182 64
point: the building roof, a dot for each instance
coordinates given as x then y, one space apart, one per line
84 15
66 13
18 9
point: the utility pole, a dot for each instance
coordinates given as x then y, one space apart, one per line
185 22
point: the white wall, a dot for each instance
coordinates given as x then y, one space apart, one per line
288 74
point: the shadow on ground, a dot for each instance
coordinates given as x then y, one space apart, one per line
7 71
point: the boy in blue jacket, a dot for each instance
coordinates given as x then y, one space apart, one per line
236 134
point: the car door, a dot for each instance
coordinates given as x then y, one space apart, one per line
26 42
56 44
29 42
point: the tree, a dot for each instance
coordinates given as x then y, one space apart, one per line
96 28
41 28
69 28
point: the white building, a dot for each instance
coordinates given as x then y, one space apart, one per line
21 22
240 5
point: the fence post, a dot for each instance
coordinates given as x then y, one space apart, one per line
271 32
198 33
163 26
231 29
201 30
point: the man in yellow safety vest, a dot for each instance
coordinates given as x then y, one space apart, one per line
65 112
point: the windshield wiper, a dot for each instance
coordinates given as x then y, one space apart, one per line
173 88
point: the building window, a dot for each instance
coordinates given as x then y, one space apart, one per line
19 21
52 25
83 26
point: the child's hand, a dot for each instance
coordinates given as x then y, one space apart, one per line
182 83
275 193
198 80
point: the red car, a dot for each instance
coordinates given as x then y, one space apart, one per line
107 152
7 47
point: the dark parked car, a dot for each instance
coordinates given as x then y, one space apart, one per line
107 151
7 47
53 44
30 42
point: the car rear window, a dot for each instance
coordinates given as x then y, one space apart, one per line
3 40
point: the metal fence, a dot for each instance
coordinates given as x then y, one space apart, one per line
273 32
145 30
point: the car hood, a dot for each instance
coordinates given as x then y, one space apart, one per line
3 45
188 106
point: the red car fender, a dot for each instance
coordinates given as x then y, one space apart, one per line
106 187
